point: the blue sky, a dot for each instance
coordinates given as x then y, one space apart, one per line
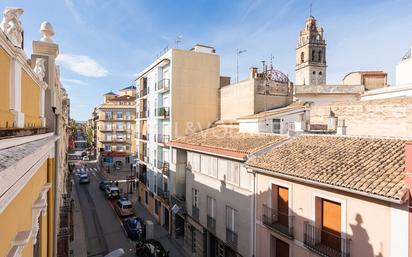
103 44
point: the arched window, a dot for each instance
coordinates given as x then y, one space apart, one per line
320 56
313 55
314 72
320 73
302 57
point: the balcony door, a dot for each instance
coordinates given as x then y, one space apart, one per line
278 248
331 224
283 205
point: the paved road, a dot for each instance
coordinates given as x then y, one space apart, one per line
103 229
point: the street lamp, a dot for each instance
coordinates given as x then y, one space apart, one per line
238 52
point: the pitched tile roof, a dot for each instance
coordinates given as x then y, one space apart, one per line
370 165
226 140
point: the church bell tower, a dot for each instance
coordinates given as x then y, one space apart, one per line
311 66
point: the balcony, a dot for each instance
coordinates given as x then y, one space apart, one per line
143 136
143 158
231 238
144 114
143 92
162 139
325 243
179 202
278 221
163 167
163 85
195 213
163 112
142 178
163 194
211 224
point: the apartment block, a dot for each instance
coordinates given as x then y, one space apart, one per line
319 195
115 128
33 142
177 94
217 190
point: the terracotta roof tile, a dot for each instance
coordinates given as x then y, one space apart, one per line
370 165
229 138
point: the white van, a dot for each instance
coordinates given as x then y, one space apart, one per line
112 192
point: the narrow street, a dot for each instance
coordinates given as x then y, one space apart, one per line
103 230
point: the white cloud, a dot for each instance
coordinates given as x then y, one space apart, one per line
73 82
83 65
70 5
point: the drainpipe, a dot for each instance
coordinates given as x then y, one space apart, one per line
408 182
56 180
254 215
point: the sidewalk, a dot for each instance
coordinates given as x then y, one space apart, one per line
78 245
160 234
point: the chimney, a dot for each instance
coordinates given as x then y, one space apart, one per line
341 129
253 72
332 121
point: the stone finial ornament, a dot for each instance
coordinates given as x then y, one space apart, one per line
46 29
11 25
40 68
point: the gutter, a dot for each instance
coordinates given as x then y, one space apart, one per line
323 185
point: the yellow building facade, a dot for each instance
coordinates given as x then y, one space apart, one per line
32 155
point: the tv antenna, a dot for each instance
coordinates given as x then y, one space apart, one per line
178 40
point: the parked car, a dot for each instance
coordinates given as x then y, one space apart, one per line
84 178
134 227
104 183
86 158
112 192
84 154
124 207
150 248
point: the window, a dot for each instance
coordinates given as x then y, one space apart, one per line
108 126
119 115
233 172
276 126
193 160
128 116
108 115
127 147
231 219
128 124
320 73
302 57
195 197
108 137
211 207
146 197
157 207
320 56
119 148
313 55
119 126
107 147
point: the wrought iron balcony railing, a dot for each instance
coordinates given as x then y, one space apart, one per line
231 238
163 112
279 221
325 243
195 213
163 84
211 224
163 139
